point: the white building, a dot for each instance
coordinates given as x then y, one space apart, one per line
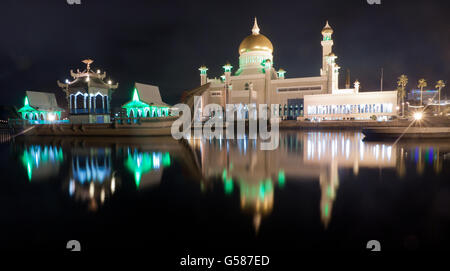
258 82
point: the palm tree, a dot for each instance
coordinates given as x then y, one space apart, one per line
402 82
439 85
421 85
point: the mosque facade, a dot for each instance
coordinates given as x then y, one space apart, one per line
257 81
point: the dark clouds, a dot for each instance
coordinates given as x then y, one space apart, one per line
164 42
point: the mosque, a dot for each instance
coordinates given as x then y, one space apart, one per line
257 81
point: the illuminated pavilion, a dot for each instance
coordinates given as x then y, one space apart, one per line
40 108
88 95
146 103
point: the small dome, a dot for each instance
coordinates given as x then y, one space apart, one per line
327 29
256 42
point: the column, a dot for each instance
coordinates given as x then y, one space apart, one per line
90 102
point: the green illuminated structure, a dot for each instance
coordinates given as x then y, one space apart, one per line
40 107
148 106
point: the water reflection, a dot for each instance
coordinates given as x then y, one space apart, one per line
91 177
93 171
147 167
305 156
41 162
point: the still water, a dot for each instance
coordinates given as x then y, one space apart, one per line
317 191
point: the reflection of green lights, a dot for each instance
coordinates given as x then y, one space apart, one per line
228 186
265 187
329 191
141 163
36 156
166 159
281 178
224 174
326 210
29 171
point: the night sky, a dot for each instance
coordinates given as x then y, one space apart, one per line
164 42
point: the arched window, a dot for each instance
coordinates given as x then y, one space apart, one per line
98 100
79 101
247 86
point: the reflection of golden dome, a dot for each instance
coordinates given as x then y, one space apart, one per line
256 42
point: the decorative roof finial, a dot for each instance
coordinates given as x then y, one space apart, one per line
88 62
255 29
327 29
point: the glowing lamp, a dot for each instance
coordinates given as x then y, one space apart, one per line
418 115
51 117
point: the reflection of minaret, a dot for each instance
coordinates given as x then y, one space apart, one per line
401 167
420 162
329 182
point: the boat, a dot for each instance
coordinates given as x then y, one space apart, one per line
406 132
157 126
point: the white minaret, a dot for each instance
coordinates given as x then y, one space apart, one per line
203 75
327 47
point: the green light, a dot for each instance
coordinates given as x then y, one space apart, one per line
141 163
227 67
137 179
281 178
203 70
326 210
26 101
136 95
262 190
329 191
229 186
34 157
166 159
281 73
224 174
29 171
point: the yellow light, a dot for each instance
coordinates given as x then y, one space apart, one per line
418 115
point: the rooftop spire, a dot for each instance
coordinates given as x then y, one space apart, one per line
136 95
255 29
88 63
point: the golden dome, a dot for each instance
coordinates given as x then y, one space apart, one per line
256 42
327 29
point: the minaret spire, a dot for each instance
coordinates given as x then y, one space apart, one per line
255 29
